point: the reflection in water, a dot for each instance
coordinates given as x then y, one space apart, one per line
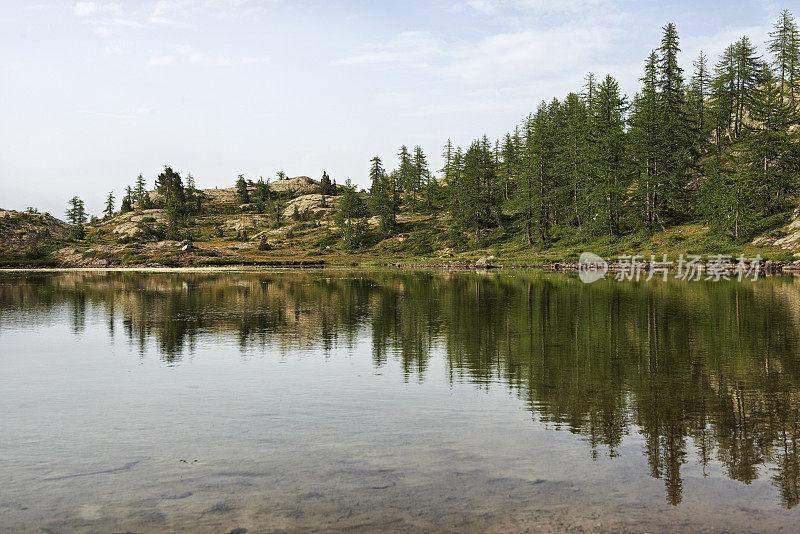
701 370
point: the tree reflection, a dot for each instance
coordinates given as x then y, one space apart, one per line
696 369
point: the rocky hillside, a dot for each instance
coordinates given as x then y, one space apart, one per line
19 231
297 226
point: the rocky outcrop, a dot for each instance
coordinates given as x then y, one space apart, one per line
19 230
139 223
485 262
787 238
311 204
299 185
245 222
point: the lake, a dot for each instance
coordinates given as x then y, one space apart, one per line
396 400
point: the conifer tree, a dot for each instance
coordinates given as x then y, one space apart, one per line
242 192
784 44
406 178
422 179
127 200
139 188
575 140
674 153
608 154
170 185
326 187
645 133
108 211
351 217
698 108
76 212
770 142
383 196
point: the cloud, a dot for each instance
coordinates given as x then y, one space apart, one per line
253 60
187 55
409 49
165 13
161 61
84 9
121 115
526 54
534 7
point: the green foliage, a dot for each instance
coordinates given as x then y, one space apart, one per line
170 186
384 196
76 213
351 217
242 192
326 187
108 211
77 232
263 244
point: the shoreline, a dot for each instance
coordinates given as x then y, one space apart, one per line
771 267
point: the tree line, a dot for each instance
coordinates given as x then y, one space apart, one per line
719 145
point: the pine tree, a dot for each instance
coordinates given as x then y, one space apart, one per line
422 179
699 111
608 156
242 192
170 185
406 178
351 217
769 141
109 209
76 213
326 187
262 191
576 138
784 44
723 88
674 154
127 200
383 196
526 191
645 134
139 189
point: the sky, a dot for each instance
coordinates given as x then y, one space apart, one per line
93 93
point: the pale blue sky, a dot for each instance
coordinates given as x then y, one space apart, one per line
93 93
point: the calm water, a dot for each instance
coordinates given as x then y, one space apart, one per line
396 400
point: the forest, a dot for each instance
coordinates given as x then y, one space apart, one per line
717 145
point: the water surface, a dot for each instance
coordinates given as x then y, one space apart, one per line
396 400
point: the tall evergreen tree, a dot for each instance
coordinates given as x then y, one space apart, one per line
242 191
608 156
326 187
383 196
351 217
170 185
139 188
674 154
645 135
127 201
108 211
422 190
784 44
76 212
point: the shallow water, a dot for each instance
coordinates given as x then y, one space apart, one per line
396 401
